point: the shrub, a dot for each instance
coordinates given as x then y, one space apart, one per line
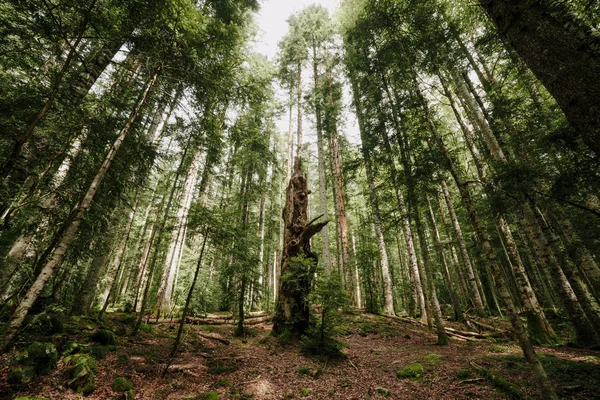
318 339
20 375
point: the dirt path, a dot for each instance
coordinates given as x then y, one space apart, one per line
376 349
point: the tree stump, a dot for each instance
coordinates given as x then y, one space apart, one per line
292 311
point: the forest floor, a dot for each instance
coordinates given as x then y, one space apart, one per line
255 368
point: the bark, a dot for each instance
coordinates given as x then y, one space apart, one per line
538 327
292 311
586 334
433 298
188 300
551 38
477 301
321 167
388 305
458 313
93 67
176 245
159 231
79 213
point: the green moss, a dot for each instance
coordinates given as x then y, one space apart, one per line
412 371
302 371
383 392
210 396
432 358
71 348
104 337
41 356
305 392
130 394
20 375
81 376
121 385
99 351
30 398
220 366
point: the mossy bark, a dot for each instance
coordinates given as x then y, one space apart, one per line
292 310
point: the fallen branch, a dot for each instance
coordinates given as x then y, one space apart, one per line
214 337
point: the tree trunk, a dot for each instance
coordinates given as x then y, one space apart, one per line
551 38
292 311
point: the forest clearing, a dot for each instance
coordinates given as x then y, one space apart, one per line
266 199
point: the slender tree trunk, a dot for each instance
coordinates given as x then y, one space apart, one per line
463 251
538 327
445 271
79 213
188 300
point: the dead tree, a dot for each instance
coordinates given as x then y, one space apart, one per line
298 263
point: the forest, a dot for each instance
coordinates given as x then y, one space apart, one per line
403 203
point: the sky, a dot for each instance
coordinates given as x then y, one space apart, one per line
272 21
272 24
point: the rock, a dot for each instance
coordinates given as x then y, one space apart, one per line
414 370
121 385
41 356
104 337
19 376
81 376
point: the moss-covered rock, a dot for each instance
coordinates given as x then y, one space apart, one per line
121 385
71 348
81 375
414 370
41 356
20 375
104 337
129 395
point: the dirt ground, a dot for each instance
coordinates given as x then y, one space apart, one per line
376 348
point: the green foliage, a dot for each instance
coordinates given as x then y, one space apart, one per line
330 296
210 396
412 371
305 392
104 337
121 385
41 356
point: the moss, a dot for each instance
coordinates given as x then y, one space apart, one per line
500 383
123 358
99 351
302 371
220 366
104 337
432 358
210 396
81 376
121 385
20 375
305 392
41 356
30 398
412 371
71 348
383 392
